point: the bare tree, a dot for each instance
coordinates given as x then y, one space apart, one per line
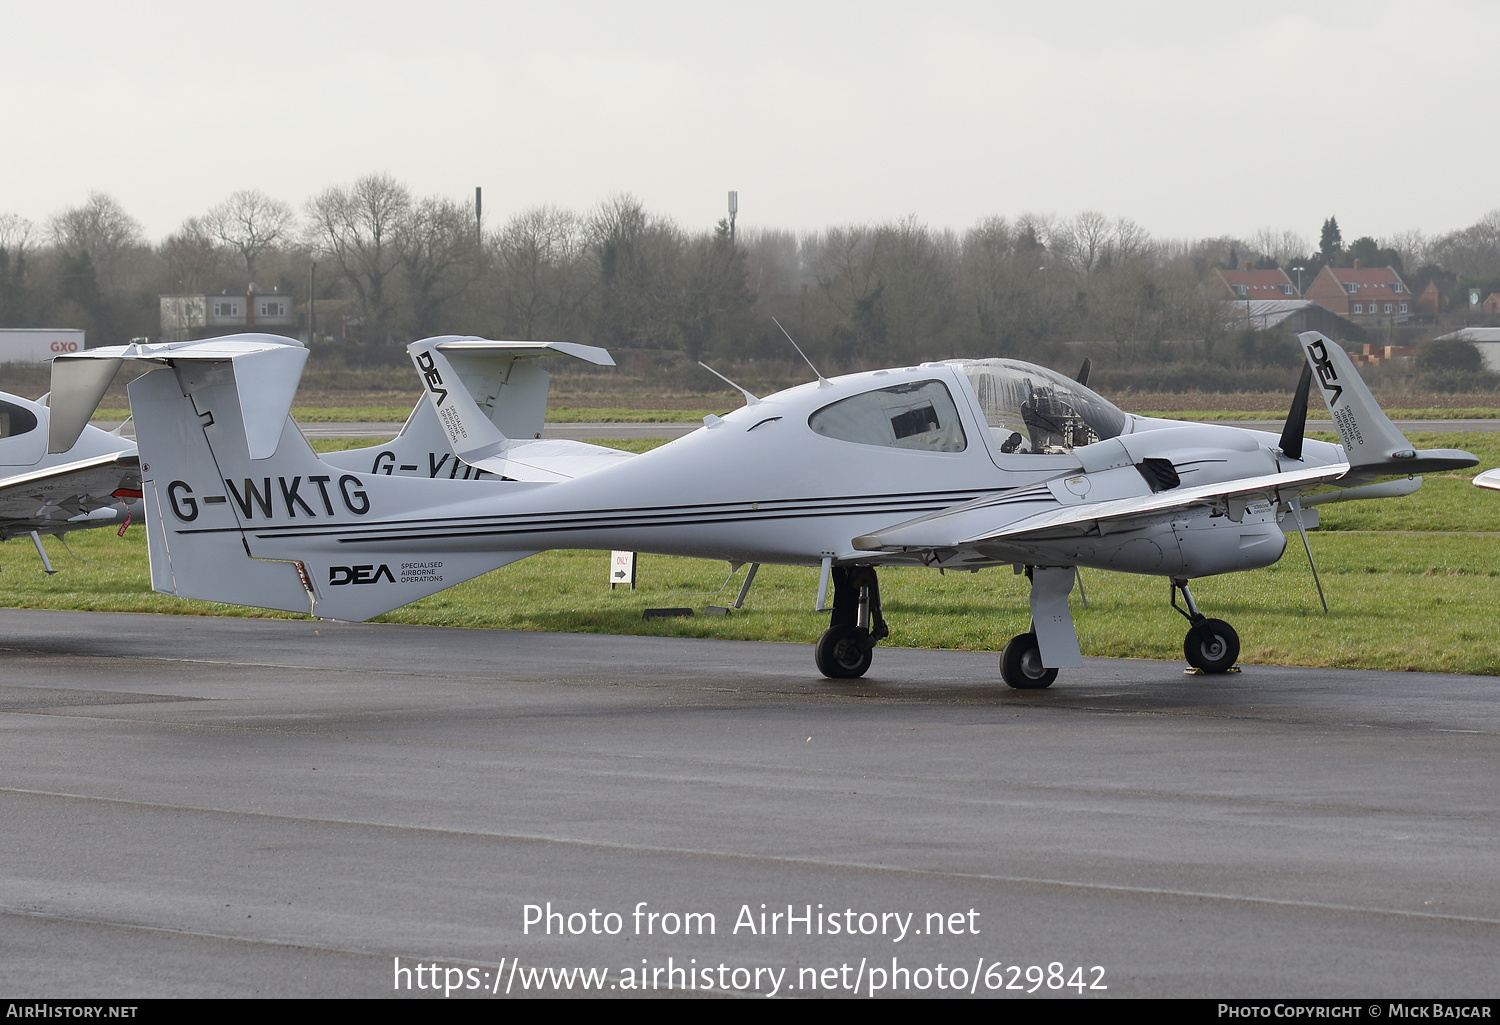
1279 245
540 253
639 260
15 232
714 290
1018 300
1473 251
917 268
193 258
249 222
1412 245
1083 242
439 251
357 228
101 228
848 277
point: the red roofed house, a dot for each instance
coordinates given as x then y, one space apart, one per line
1365 295
1258 284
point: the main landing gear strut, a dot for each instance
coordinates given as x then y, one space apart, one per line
847 647
1211 645
1031 660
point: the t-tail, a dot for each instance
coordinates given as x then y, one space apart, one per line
1375 446
241 510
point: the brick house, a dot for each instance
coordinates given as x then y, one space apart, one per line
1373 296
1258 284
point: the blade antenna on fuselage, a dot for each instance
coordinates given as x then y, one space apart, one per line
750 399
822 381
1296 420
1083 371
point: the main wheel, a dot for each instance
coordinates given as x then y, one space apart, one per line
1211 646
843 653
1021 664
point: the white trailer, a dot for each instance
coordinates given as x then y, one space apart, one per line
38 344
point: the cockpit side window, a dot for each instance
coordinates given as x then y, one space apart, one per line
920 415
15 420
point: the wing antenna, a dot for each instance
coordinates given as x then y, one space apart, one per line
822 381
1296 427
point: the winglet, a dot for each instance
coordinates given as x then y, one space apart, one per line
1372 442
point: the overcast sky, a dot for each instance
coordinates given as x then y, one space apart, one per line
1194 119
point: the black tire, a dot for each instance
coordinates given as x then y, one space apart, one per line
843 652
1211 646
1021 664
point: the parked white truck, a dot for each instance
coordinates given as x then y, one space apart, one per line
38 344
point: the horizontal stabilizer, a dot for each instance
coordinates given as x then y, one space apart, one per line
490 400
267 369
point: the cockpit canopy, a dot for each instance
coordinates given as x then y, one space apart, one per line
1034 410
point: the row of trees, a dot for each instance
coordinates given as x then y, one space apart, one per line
391 266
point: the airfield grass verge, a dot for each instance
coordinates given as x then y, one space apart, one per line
1398 601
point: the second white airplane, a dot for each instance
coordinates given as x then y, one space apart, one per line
961 464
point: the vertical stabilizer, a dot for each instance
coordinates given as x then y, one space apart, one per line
287 530
1372 442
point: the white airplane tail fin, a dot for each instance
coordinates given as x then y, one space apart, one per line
1374 444
241 510
490 400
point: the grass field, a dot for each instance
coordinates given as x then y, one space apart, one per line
1412 585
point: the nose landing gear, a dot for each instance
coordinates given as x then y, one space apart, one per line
1211 645
847 647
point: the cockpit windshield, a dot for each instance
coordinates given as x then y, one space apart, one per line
1034 410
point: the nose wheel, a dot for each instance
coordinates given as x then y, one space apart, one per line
847 647
844 652
1211 645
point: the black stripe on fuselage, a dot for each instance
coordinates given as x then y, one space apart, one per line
605 519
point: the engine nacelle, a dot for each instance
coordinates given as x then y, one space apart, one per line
1190 544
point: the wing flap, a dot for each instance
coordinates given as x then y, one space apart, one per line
43 499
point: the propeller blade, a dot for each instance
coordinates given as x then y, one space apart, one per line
1296 419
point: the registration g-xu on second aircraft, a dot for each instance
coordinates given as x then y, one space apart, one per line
961 464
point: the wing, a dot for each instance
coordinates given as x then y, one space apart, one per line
69 495
1039 513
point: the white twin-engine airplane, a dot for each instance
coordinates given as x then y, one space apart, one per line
960 464
92 482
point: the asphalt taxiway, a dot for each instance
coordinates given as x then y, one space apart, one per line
242 807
